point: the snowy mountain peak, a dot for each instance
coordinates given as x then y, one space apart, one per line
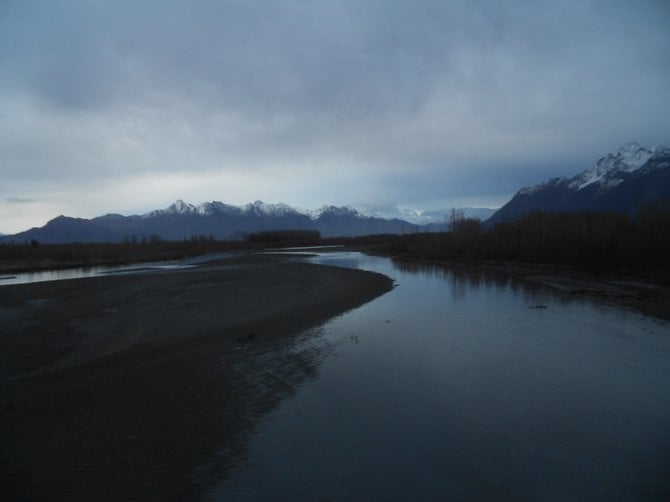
337 211
608 172
210 208
624 181
630 157
216 207
263 208
181 207
178 207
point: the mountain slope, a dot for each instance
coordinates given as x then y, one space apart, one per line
624 182
336 221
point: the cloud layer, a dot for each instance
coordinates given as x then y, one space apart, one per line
111 106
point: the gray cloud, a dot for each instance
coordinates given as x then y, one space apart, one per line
411 102
19 200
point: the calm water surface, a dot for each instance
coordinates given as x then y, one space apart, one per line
453 385
83 272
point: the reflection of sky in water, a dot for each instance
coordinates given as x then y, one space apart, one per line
83 272
452 386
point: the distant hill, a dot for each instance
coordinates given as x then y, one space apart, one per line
444 215
623 182
437 219
222 221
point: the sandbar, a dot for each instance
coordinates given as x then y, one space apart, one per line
146 386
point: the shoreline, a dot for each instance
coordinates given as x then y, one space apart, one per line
145 386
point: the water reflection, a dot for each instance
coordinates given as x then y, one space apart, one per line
462 277
96 271
465 278
457 389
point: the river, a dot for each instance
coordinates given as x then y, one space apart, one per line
469 385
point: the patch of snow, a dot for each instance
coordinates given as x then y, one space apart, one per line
266 209
529 190
629 158
210 208
181 207
334 210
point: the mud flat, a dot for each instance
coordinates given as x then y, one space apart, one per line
144 387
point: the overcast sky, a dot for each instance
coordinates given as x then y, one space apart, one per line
114 106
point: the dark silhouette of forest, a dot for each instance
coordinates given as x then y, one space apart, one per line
595 241
33 255
293 237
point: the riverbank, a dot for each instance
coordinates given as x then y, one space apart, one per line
144 387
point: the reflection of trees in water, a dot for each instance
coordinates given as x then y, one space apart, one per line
460 279
422 269
464 278
474 278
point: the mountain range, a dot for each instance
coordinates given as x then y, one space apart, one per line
624 182
222 221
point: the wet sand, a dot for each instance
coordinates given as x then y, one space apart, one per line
145 387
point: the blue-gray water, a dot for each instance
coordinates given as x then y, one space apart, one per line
453 386
7 279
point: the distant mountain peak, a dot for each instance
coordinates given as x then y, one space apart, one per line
263 208
181 207
339 211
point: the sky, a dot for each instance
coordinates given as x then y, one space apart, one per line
125 106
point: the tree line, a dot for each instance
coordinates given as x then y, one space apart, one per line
306 237
34 255
597 241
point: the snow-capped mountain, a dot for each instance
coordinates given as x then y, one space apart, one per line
613 168
182 220
258 208
624 181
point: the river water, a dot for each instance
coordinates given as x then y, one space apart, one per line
8 279
469 385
